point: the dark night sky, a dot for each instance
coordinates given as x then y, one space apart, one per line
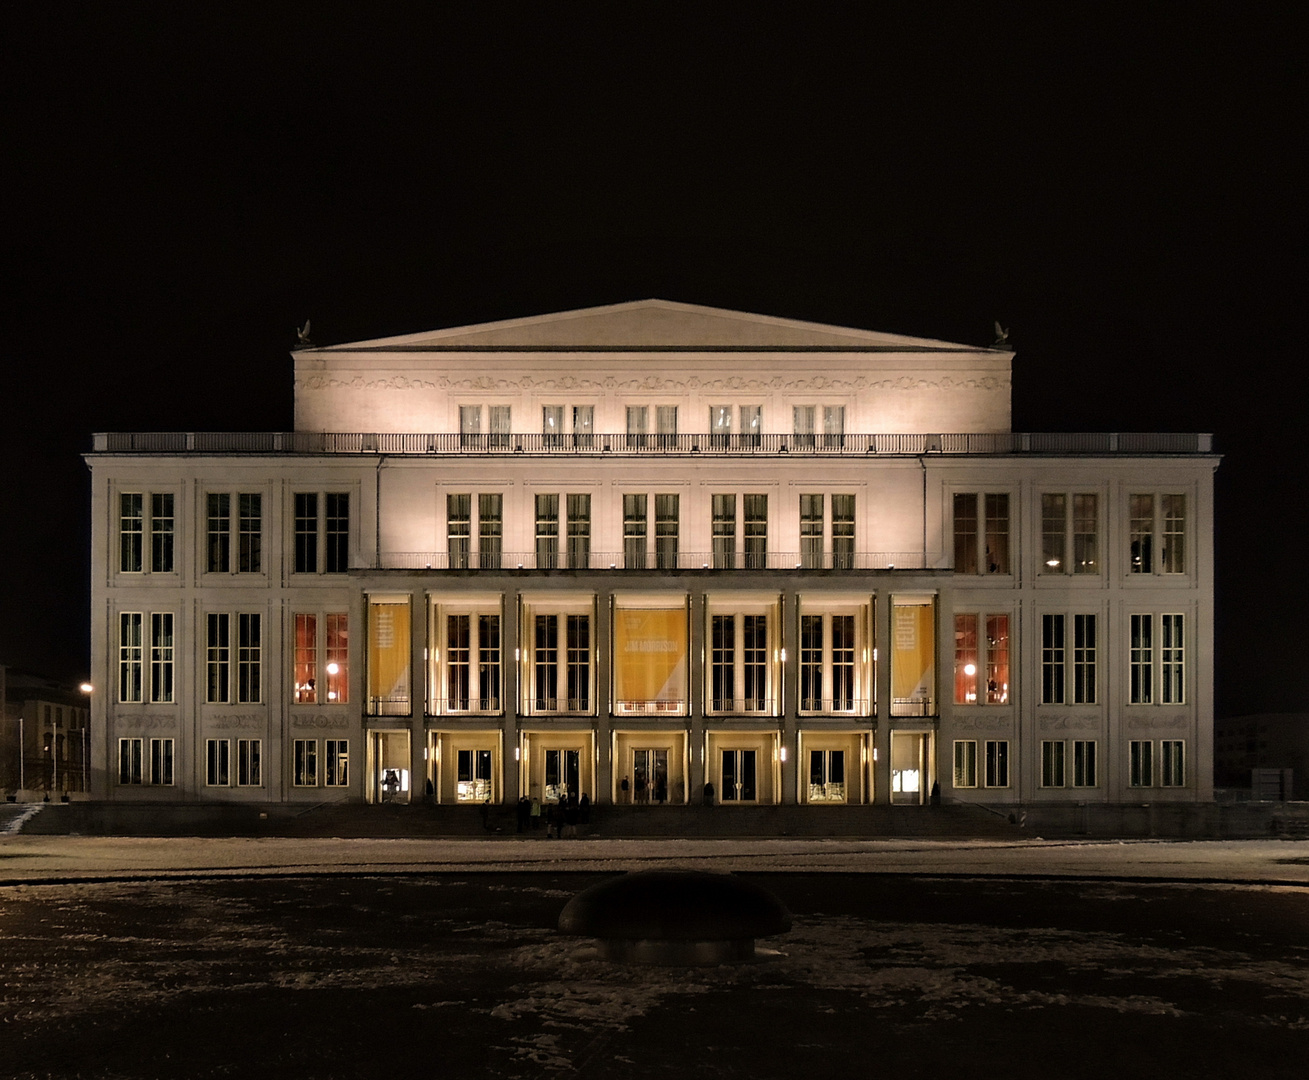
1115 183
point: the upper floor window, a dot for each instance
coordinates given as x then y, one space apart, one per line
813 534
638 425
743 675
471 426
806 419
462 529
747 425
583 426
322 655
1157 667
467 668
145 520
221 529
1157 516
744 542
666 531
558 671
981 664
834 672
1068 676
322 533
552 424
666 424
1065 517
219 658
981 533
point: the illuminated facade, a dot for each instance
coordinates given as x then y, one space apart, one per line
657 554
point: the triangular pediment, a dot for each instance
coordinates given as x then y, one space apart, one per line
648 324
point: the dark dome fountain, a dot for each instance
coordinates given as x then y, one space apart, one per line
675 917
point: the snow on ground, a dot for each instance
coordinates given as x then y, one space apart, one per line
74 858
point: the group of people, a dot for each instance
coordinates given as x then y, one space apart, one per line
562 815
645 791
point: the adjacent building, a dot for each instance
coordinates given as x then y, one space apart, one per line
656 553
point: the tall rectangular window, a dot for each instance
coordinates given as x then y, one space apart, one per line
552 425
249 536
724 531
828 670
470 424
965 659
802 425
459 529
752 427
1172 669
634 529
161 533
218 657
666 532
131 532
579 663
1052 763
1084 763
129 656
499 426
1054 537
811 662
990 528
1052 659
740 667
249 657
338 763
547 532
458 662
997 763
1172 763
218 762
1140 763
843 532
1084 648
1141 664
997 533
1141 525
305 763
755 539
560 662
218 527
811 531
249 762
637 425
833 426
1086 534
161 656
490 530
488 662
579 531
997 659
720 425
1172 554
306 659
306 533
337 532
965 763
988 657
338 656
965 533
584 426
666 424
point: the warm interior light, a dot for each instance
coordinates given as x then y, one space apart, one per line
970 669
333 668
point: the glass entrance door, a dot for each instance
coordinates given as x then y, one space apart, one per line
388 766
908 766
738 776
562 773
827 776
650 776
474 779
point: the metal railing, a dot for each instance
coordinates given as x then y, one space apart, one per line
507 445
681 560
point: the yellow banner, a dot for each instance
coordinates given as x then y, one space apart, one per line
388 651
913 633
650 655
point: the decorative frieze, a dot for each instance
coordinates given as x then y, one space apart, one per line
138 723
319 721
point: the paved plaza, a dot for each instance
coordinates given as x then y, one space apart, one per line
143 958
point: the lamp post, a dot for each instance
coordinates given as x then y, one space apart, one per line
87 689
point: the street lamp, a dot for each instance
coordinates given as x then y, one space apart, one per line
87 689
